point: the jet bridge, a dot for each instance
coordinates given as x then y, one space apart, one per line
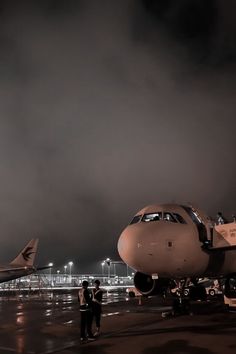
224 237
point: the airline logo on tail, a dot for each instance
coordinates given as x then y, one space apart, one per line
27 253
22 264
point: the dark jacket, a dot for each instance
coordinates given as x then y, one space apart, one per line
97 296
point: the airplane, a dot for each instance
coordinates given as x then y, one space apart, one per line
22 265
173 242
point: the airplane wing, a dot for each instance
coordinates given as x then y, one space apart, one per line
15 269
42 268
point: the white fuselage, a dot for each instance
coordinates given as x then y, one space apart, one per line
172 249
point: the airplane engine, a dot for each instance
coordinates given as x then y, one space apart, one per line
148 286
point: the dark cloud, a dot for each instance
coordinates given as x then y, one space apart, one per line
106 107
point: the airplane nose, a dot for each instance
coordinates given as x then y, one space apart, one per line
128 247
122 245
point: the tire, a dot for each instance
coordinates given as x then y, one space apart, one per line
211 292
186 292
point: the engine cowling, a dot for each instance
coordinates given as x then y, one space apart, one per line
148 286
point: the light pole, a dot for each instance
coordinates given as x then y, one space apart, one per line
50 272
70 265
58 277
65 268
108 269
102 264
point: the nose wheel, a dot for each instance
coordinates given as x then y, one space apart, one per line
181 305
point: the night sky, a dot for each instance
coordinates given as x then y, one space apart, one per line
107 106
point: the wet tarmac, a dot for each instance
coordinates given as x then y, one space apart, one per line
50 324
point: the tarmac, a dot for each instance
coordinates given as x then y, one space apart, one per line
50 324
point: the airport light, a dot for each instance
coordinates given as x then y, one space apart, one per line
58 276
65 268
50 271
70 265
108 261
102 264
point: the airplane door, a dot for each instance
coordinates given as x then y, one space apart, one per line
204 230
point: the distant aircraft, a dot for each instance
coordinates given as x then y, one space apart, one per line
22 265
176 242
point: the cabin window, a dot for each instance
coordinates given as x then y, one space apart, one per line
152 217
136 219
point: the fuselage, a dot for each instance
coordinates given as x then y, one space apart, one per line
173 241
8 272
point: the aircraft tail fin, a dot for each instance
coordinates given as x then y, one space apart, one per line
27 255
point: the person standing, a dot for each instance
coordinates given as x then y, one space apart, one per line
220 219
97 306
85 301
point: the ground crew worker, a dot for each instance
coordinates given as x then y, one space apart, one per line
85 301
220 219
97 306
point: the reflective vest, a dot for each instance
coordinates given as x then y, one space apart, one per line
84 306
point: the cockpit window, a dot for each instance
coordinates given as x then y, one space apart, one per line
169 217
152 217
166 216
136 219
179 218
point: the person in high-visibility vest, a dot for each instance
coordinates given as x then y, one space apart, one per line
97 306
221 219
85 301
